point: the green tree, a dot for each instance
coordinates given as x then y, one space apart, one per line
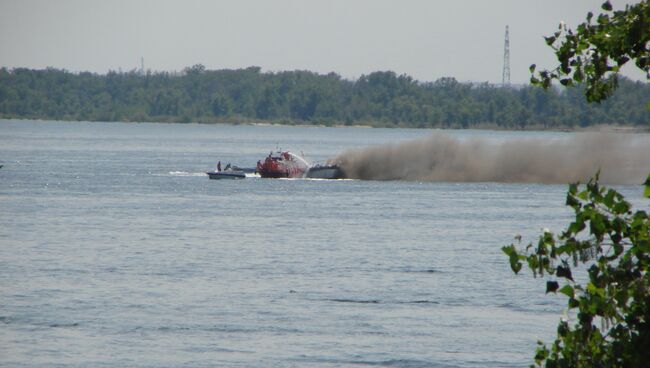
221 105
612 310
595 52
379 99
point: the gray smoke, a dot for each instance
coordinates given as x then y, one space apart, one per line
621 159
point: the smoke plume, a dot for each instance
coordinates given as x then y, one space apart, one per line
621 159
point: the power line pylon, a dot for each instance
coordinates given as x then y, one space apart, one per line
506 60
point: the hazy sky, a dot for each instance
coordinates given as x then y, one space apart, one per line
425 39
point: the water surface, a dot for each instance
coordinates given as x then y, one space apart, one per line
116 250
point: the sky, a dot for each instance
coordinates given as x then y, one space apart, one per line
427 40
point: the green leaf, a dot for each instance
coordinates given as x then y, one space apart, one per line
607 6
643 246
622 207
593 289
597 225
551 286
532 68
609 198
603 19
541 353
511 252
563 328
578 75
564 271
646 191
583 195
567 290
576 226
572 201
573 188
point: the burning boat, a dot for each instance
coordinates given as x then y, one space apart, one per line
282 165
327 171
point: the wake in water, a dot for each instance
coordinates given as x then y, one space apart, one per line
621 159
185 173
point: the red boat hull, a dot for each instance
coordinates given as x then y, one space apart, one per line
282 165
273 173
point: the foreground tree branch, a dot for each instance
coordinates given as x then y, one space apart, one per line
596 50
612 310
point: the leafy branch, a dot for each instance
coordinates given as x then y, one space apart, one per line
615 241
594 53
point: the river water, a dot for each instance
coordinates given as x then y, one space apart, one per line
116 250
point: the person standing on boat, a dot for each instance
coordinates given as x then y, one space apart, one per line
219 166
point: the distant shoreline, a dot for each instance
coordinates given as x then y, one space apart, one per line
602 128
381 99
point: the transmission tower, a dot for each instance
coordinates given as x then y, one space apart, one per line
506 60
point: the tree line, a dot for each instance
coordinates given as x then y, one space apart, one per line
301 97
